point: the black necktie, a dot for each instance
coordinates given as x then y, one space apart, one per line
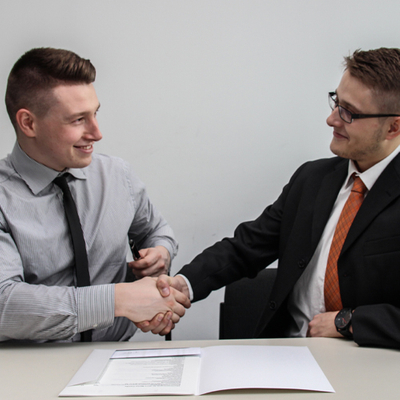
78 242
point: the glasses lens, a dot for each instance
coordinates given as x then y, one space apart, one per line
332 100
345 115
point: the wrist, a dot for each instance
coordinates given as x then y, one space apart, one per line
119 289
343 322
183 285
165 256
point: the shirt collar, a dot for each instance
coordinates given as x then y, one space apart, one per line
370 176
37 176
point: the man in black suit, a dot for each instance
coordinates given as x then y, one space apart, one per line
298 228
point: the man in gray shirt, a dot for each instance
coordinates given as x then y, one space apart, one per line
52 105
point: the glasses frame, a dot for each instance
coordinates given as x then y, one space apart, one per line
333 103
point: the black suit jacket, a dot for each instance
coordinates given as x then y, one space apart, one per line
289 230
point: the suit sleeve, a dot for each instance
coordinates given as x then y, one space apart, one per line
254 246
377 325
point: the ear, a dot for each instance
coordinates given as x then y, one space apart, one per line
394 129
26 122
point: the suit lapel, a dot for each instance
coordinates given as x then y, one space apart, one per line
326 197
385 190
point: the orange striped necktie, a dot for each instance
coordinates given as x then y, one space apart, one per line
333 301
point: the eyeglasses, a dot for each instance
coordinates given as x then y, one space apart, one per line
348 116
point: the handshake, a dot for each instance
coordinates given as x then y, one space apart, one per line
153 304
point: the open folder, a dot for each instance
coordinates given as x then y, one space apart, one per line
196 371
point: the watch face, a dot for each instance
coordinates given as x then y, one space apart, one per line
343 318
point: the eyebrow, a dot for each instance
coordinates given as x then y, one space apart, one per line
73 116
346 105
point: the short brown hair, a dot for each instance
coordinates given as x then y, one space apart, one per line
39 71
379 70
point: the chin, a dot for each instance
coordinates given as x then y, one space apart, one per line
81 164
338 152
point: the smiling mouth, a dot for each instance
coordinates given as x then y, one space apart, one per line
338 135
88 147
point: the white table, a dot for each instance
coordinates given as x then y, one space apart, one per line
41 371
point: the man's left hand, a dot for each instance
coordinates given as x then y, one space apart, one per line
153 261
323 325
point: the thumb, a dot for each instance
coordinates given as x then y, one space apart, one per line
163 285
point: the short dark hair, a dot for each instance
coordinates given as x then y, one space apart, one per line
379 70
37 72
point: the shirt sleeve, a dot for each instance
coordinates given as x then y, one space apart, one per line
41 312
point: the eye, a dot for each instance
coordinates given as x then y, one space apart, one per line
78 120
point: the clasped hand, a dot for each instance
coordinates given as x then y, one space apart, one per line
162 324
141 301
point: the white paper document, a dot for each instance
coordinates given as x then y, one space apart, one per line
196 371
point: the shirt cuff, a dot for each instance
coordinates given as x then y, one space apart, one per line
95 307
188 285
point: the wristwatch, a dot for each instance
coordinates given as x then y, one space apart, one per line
343 322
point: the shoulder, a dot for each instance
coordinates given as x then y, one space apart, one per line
106 161
324 164
311 175
108 167
7 170
317 169
114 169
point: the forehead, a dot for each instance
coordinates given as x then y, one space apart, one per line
353 93
76 98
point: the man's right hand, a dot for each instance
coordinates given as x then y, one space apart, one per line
162 324
141 301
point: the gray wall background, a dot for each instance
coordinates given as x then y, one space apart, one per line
214 102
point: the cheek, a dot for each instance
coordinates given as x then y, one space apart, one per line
355 137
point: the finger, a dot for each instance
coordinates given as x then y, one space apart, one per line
166 321
178 309
181 298
147 326
154 271
148 257
163 285
143 267
175 318
168 329
142 325
138 265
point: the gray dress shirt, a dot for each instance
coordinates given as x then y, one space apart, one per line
38 297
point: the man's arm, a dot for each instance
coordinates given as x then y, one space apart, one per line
42 312
377 325
151 233
371 325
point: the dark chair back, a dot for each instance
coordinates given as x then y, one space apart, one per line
244 302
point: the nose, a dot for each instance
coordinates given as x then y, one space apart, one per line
93 130
334 118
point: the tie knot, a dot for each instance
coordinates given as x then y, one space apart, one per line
61 181
358 185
